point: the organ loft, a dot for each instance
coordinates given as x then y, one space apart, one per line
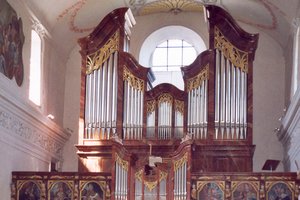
144 142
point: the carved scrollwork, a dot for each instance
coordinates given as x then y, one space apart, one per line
150 184
151 106
123 163
179 106
180 162
133 81
238 57
95 60
197 80
165 97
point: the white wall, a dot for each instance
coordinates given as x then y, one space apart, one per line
29 141
268 99
72 109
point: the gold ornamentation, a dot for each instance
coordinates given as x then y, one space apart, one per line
238 57
290 184
179 106
121 162
180 162
95 60
210 177
197 80
150 106
173 6
278 178
165 97
61 177
82 184
254 184
150 184
133 81
201 184
39 183
92 177
30 177
69 183
52 182
247 178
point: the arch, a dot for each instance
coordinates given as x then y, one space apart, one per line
161 35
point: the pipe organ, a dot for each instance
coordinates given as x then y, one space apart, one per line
163 143
101 91
197 88
121 178
133 106
231 90
207 127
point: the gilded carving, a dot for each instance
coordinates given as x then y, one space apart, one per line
121 162
150 184
92 189
31 188
179 106
61 189
133 81
95 60
180 162
279 189
174 6
92 177
197 81
61 177
165 97
250 189
238 57
151 106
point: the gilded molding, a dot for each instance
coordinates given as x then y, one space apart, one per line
290 184
121 162
133 81
179 106
237 57
180 162
165 97
60 177
95 60
197 80
30 177
201 184
254 184
151 106
39 184
92 177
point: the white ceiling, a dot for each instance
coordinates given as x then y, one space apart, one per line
68 20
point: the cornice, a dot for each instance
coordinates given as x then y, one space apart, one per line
26 126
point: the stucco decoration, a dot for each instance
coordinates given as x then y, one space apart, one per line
11 43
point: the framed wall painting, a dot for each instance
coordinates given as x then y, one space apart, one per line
210 190
11 43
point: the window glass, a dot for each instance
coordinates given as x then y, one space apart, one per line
35 69
170 55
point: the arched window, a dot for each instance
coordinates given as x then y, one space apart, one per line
169 48
35 69
173 54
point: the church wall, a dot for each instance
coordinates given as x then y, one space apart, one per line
71 109
268 99
29 141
